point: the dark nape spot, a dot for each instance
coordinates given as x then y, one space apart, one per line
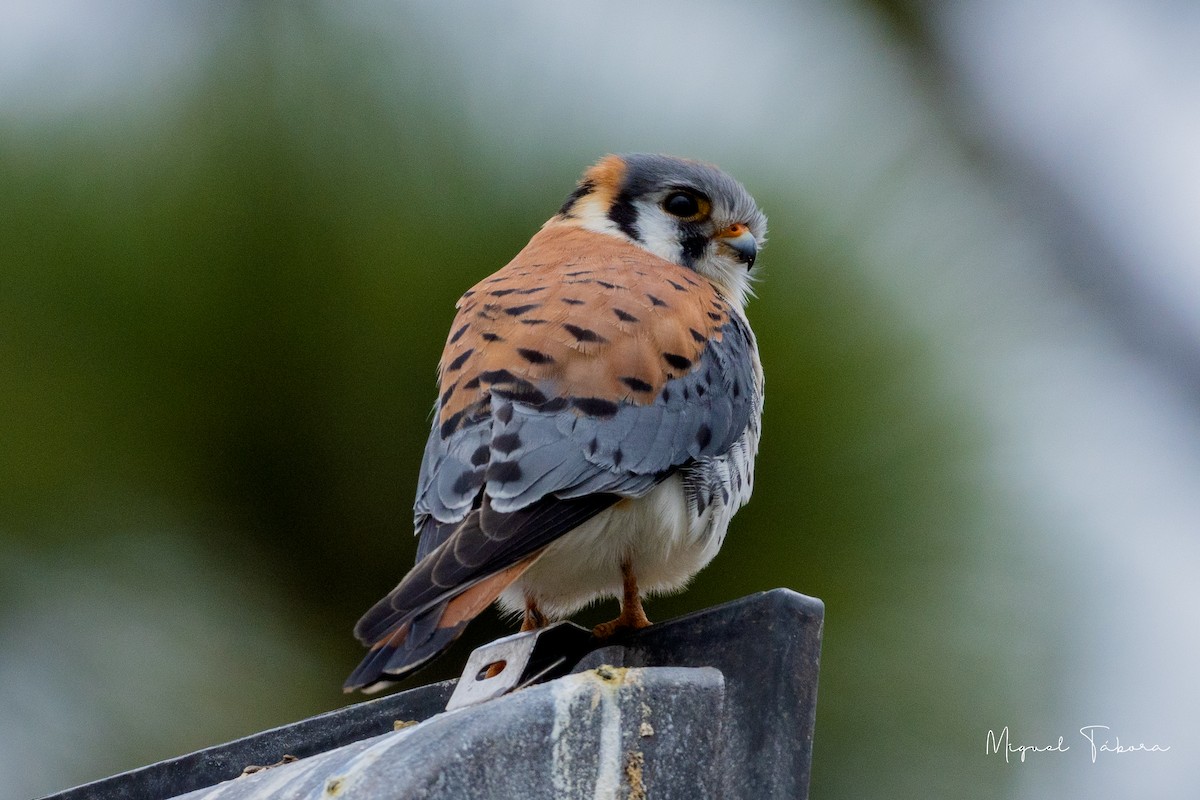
595 406
624 316
697 335
571 301
472 384
497 376
504 471
677 361
458 333
451 424
704 436
617 456
583 334
624 215
637 384
488 336
480 456
458 362
516 311
582 190
655 301
678 287
468 482
534 356
504 413
506 443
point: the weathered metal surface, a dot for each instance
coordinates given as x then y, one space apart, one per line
765 648
604 733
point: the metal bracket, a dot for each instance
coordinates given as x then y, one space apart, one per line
517 661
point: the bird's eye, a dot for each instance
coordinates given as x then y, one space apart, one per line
684 205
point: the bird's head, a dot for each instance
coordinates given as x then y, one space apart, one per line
686 212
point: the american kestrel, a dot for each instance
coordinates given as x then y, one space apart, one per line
598 415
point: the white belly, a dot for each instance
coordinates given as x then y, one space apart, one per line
667 536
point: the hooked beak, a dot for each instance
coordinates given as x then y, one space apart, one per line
738 238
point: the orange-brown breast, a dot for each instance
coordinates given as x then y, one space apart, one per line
578 314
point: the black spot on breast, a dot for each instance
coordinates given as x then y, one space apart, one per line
468 482
534 356
506 443
504 471
583 334
488 336
637 384
595 406
704 436
677 361
624 316
458 333
571 301
480 456
655 301
458 362
516 311
697 335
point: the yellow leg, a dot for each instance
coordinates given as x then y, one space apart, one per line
633 616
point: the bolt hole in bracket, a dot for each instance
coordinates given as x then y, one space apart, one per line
520 660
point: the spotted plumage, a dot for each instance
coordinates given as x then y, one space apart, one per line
597 417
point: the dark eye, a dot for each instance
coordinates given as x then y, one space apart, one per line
682 204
